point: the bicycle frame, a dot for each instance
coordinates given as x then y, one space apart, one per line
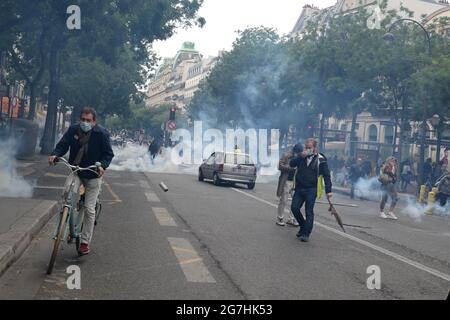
69 202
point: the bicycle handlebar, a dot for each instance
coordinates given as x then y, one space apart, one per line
78 168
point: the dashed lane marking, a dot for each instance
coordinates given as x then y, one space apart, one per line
389 253
152 197
190 262
164 218
111 191
144 184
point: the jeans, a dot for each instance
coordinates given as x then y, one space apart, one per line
305 196
388 190
92 190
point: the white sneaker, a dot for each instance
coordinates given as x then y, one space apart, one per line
392 216
280 222
383 215
292 222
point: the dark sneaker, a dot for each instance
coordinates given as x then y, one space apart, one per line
299 233
304 238
84 249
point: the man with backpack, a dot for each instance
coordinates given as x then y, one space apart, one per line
284 188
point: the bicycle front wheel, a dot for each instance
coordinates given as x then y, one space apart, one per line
59 236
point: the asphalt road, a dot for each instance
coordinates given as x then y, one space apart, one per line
198 241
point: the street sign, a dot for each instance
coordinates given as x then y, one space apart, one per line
171 125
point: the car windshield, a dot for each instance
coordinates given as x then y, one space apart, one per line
236 158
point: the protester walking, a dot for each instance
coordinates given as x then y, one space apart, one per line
311 167
284 185
388 178
355 173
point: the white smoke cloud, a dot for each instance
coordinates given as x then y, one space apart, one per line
11 184
368 189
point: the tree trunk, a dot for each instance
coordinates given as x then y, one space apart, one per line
50 120
32 110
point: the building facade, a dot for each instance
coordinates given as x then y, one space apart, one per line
376 133
177 79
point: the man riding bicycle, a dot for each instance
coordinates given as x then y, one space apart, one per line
89 143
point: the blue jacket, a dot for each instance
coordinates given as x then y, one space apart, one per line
99 149
306 176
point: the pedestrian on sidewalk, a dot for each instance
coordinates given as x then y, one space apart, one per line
284 185
88 143
388 178
311 167
406 175
355 173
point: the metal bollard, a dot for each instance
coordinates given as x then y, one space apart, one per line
422 194
431 202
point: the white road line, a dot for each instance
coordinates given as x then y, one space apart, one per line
144 184
152 197
190 262
48 187
164 218
394 255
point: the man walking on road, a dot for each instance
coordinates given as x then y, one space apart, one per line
88 144
388 178
283 190
310 166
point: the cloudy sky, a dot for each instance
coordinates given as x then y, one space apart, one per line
224 17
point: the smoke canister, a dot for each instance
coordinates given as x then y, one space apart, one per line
163 186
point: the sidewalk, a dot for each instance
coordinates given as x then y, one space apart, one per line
21 219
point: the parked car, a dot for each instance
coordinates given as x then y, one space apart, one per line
231 167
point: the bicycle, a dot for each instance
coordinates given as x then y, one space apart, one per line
70 224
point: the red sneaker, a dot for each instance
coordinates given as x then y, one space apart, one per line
84 249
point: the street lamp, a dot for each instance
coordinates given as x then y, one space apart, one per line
389 36
436 121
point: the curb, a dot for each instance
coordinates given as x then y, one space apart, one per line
14 242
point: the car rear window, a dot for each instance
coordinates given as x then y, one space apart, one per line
242 159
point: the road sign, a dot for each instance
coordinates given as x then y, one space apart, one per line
171 125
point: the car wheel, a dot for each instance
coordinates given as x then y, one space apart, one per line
200 175
251 186
216 179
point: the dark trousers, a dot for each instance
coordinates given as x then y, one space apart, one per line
305 196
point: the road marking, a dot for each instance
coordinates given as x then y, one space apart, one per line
144 184
55 175
164 218
190 262
152 197
48 187
394 255
114 195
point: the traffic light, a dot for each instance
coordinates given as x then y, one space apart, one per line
172 113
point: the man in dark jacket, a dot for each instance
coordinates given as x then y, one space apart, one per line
88 144
310 164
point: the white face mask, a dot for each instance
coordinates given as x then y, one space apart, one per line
85 126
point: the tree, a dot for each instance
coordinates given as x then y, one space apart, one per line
106 27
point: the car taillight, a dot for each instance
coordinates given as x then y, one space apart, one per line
220 167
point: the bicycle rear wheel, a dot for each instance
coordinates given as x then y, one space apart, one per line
60 234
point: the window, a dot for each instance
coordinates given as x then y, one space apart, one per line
388 134
373 133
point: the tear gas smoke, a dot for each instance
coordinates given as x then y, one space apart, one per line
368 189
11 184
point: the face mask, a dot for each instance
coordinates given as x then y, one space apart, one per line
85 126
309 152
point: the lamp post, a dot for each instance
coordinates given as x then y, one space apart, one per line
436 121
390 37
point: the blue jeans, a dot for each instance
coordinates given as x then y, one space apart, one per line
305 196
